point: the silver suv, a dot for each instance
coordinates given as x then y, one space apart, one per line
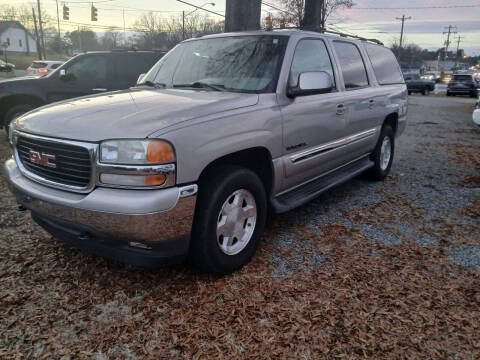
221 130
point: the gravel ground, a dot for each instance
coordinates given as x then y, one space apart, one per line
379 270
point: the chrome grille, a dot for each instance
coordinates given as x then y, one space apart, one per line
72 163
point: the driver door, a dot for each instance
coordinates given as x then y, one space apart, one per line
84 76
312 123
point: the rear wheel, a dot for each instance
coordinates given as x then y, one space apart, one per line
426 92
229 219
15 112
382 156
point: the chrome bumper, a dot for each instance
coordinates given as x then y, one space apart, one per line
156 220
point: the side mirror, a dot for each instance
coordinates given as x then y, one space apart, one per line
140 78
310 83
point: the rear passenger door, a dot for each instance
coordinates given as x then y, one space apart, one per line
359 99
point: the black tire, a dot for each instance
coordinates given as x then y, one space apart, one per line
473 94
377 173
448 94
426 92
409 93
15 112
218 185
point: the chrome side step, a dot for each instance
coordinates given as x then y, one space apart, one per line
311 190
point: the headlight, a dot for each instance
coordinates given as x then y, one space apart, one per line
136 164
133 152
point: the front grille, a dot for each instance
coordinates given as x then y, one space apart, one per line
72 163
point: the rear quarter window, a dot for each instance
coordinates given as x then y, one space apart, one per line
385 65
38 65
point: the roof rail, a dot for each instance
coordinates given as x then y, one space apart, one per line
325 31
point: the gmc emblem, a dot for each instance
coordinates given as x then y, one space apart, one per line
42 159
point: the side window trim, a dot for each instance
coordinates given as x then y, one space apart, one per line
330 57
369 80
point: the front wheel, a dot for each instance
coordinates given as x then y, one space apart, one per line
229 219
382 156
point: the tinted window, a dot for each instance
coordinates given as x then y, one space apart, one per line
54 66
310 55
462 78
88 69
130 66
385 65
38 65
352 65
412 77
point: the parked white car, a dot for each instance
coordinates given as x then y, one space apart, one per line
43 67
476 113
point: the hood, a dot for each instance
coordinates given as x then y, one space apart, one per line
20 80
133 113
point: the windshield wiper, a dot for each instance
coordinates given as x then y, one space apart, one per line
202 85
153 84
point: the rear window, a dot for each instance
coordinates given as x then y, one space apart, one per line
352 65
385 65
462 78
38 65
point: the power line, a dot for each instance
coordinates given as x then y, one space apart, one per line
418 7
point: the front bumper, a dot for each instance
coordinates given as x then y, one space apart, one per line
141 227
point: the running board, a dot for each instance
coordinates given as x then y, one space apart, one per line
311 190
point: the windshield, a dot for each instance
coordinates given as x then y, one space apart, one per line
240 63
462 78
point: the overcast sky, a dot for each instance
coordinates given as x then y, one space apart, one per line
370 18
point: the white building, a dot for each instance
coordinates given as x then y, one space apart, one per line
17 38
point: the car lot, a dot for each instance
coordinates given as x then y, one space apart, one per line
385 270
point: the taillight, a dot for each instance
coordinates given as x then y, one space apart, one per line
43 71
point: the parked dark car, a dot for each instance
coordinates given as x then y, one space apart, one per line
463 84
415 84
84 74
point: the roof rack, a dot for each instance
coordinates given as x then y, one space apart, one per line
325 31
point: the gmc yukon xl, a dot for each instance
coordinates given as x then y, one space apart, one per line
221 130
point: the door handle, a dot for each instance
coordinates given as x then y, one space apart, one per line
99 90
340 109
371 102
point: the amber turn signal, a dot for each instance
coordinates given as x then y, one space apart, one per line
155 180
159 152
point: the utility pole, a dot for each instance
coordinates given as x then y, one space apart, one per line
79 39
59 40
124 30
37 39
403 18
183 25
41 30
313 18
58 20
242 15
459 40
447 43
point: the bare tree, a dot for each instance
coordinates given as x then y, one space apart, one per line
110 39
161 33
296 10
